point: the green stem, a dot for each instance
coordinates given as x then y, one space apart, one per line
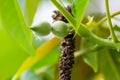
89 50
105 18
109 21
83 31
67 15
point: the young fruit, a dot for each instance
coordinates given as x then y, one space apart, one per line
42 29
60 29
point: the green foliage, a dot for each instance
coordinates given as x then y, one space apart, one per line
14 29
15 38
29 75
11 55
79 7
96 55
92 60
49 59
109 63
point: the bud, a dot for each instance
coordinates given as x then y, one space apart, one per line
42 29
60 29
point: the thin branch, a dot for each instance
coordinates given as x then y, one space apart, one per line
105 18
89 50
109 22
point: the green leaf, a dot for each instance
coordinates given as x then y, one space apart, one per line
49 59
92 60
29 75
12 20
15 39
40 53
91 56
78 9
70 1
29 8
110 64
11 55
46 73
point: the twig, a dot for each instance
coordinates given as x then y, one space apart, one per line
109 22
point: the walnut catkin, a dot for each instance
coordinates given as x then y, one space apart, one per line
66 57
59 17
67 49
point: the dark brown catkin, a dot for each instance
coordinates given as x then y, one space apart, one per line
59 17
66 57
67 49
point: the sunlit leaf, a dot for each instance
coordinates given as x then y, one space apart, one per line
11 55
46 47
49 59
42 51
98 76
15 39
12 20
